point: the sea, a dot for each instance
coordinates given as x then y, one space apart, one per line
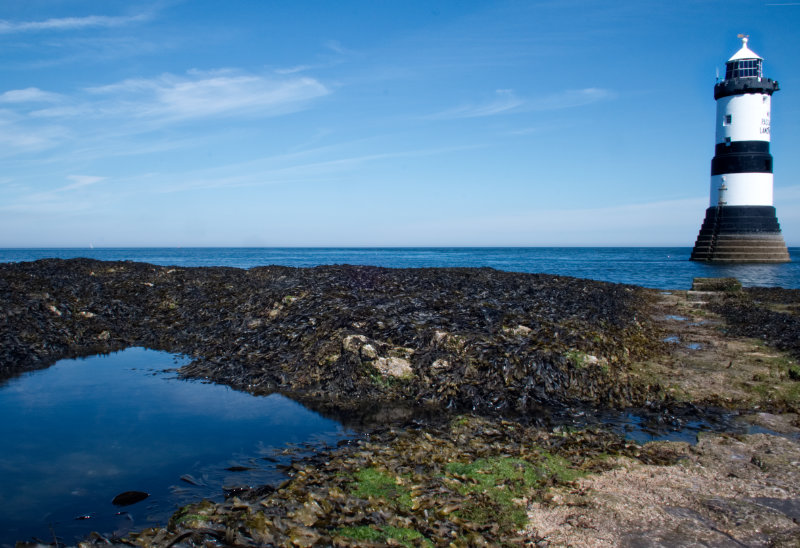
654 267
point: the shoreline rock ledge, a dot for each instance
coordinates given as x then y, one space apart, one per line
470 338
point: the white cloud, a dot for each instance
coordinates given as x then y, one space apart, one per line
16 136
525 131
64 111
55 200
80 181
71 23
29 95
506 101
195 95
570 98
226 94
34 119
291 168
294 70
336 46
503 102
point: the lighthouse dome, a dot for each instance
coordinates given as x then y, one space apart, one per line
744 53
745 63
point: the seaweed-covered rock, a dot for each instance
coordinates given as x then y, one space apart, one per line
771 314
465 337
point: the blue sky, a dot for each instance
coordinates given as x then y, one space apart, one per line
385 123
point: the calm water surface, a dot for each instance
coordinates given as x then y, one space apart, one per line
657 267
83 431
77 434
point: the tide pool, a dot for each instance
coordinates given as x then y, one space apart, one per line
79 433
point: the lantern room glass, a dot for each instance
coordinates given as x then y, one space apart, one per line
743 68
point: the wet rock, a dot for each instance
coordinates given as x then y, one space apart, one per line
394 367
368 352
191 480
354 343
129 497
520 330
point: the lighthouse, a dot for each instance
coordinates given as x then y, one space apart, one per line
741 225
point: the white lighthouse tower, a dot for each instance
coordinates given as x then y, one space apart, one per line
741 225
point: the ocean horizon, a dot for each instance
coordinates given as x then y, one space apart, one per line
654 267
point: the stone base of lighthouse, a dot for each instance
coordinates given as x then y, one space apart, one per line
740 234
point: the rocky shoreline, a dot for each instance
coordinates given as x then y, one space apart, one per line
475 339
487 347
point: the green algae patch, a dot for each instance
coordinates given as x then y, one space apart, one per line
375 483
498 487
400 535
362 532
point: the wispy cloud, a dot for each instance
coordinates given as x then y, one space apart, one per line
295 167
71 23
337 47
570 98
525 131
29 95
294 70
17 136
33 119
56 200
505 101
194 95
80 181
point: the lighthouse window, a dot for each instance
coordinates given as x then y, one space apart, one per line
727 141
746 68
728 119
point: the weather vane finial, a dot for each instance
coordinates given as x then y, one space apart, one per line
744 38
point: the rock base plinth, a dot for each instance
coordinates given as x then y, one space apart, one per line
740 234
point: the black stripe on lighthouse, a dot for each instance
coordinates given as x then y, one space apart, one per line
740 86
742 157
742 147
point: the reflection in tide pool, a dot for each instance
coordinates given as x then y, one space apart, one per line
76 435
